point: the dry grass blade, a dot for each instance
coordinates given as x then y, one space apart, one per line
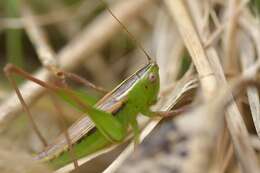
247 60
169 48
38 38
230 61
235 123
215 36
193 44
251 26
255 142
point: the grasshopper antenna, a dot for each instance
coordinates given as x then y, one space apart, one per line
132 37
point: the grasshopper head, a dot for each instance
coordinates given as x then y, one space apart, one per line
146 87
151 83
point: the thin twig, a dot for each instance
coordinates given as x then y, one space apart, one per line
38 38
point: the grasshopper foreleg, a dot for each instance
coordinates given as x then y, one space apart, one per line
136 130
165 114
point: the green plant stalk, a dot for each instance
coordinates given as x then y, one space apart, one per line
14 47
257 3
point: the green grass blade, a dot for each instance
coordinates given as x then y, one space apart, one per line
14 45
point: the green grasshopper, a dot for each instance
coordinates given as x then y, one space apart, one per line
106 122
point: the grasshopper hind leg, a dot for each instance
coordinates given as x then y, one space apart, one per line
9 71
63 125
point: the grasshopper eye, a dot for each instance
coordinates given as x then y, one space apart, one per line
152 77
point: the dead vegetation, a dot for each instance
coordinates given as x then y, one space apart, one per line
208 52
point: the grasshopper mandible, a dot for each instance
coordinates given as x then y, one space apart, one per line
107 121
